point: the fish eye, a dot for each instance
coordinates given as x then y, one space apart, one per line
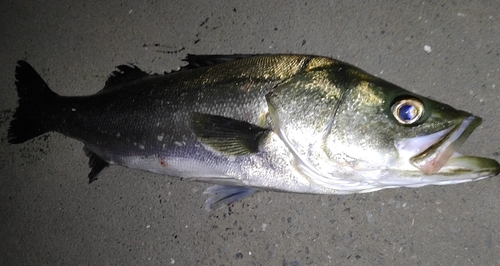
407 111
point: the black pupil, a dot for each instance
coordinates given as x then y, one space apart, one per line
406 112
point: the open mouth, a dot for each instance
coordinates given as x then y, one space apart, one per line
437 152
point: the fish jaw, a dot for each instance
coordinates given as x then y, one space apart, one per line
461 164
435 155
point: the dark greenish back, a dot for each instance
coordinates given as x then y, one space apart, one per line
129 117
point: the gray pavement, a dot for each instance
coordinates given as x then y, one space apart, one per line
50 215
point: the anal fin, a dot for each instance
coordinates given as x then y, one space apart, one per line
225 195
96 163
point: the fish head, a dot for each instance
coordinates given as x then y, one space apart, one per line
359 133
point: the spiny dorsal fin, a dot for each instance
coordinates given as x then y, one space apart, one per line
197 61
226 135
123 74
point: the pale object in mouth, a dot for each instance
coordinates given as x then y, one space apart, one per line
436 153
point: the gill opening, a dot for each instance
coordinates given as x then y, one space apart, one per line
329 124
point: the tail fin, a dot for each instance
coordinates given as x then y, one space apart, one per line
35 99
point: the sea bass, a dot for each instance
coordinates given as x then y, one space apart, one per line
292 123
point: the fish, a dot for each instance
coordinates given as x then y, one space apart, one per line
247 123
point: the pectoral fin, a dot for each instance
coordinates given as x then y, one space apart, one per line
226 135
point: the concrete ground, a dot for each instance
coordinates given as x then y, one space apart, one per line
447 50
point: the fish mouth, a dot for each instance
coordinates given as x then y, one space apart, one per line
436 153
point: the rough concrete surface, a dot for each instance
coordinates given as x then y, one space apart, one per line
51 215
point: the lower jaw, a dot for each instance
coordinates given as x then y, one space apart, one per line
441 153
462 164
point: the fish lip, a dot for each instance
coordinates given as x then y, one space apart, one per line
459 163
438 148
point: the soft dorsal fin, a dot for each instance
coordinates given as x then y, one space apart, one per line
125 73
197 61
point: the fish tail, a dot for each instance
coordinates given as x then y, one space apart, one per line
36 99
